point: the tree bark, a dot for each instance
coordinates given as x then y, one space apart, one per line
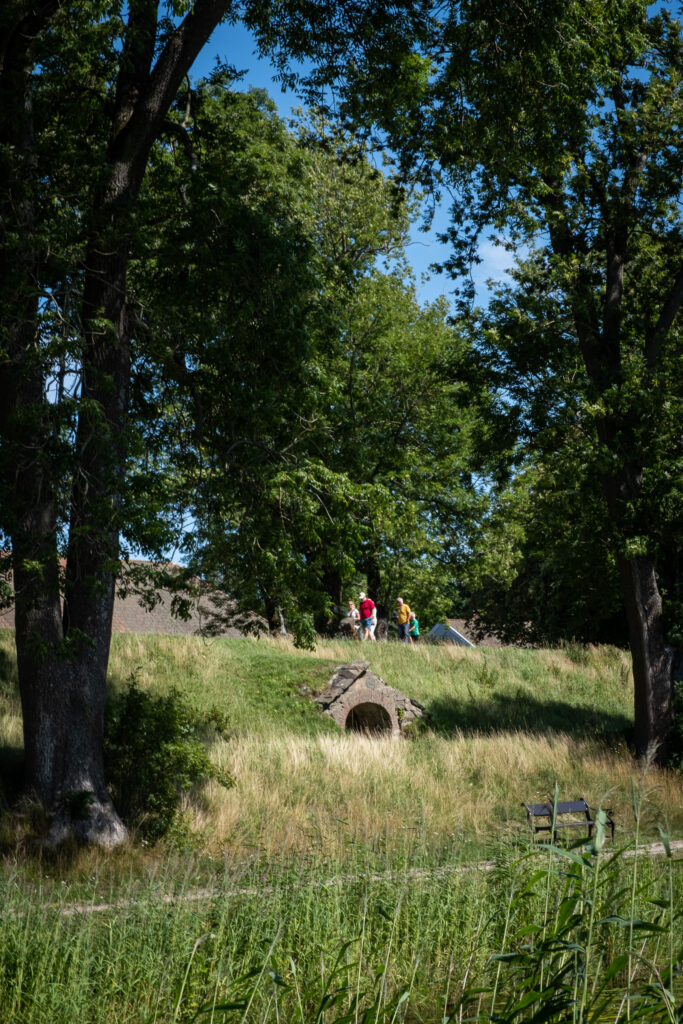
332 586
62 728
376 592
63 725
63 656
652 658
600 336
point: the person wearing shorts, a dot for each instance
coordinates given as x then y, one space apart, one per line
366 608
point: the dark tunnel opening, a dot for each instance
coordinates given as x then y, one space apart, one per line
368 718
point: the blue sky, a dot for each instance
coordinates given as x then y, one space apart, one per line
233 44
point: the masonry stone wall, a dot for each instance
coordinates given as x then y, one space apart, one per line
354 696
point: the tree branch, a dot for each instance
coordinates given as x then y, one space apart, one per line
131 144
654 339
136 60
16 38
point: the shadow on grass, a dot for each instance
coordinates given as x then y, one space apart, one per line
24 824
6 665
11 774
510 713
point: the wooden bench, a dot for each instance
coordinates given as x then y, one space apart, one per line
536 813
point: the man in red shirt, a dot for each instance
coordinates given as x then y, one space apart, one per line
366 608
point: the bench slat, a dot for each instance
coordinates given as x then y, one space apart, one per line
563 807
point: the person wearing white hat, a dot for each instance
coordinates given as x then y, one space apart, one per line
368 612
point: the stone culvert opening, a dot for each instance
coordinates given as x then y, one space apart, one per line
369 718
359 701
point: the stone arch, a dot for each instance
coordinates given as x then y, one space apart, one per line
378 713
369 717
351 686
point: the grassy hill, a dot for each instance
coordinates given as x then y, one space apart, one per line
342 879
505 725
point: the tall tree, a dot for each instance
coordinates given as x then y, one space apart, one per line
542 563
559 125
540 566
327 430
85 90
128 73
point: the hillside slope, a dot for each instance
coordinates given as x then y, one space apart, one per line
505 726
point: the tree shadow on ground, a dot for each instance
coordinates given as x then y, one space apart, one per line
11 774
7 665
505 713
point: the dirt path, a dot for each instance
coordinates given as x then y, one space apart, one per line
207 893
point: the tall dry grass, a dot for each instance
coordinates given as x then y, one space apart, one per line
433 798
293 897
505 726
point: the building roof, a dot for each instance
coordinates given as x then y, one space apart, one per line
463 633
468 628
206 606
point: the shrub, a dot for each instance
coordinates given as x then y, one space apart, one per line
677 729
153 752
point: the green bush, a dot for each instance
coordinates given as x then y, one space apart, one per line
153 752
676 752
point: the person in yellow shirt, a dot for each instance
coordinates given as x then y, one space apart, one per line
402 617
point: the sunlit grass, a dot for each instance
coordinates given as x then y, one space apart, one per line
505 726
351 869
402 948
445 797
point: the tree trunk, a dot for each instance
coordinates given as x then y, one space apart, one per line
63 658
62 713
62 726
273 615
326 624
376 592
63 723
624 435
652 659
332 585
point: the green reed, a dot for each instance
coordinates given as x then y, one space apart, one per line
555 934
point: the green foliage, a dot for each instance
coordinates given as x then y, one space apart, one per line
544 557
558 134
329 432
539 569
577 957
677 731
153 753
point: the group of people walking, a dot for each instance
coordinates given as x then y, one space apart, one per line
364 619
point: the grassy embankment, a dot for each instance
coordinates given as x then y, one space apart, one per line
505 726
330 837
